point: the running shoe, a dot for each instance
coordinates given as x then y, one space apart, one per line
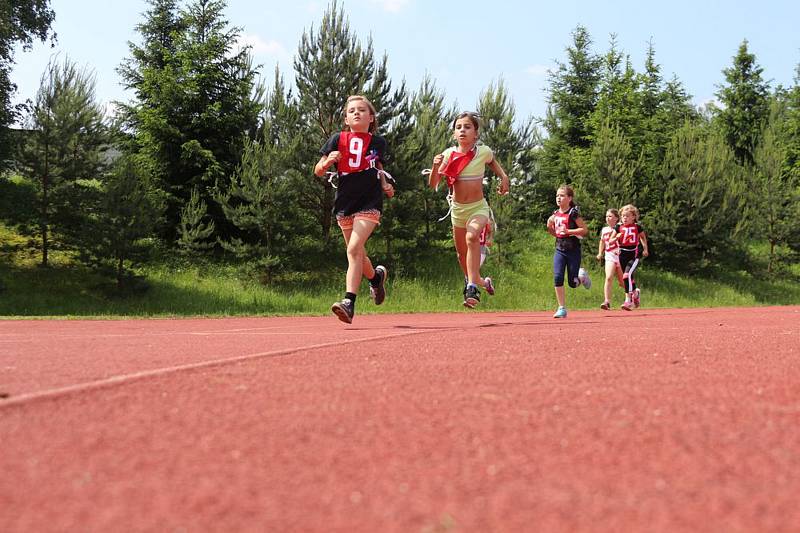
627 306
605 306
472 297
378 291
561 312
489 286
636 298
584 278
344 310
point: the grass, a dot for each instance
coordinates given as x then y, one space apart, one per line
212 289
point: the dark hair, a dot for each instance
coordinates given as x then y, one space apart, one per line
570 192
614 212
473 117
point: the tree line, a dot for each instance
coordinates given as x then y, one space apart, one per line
206 159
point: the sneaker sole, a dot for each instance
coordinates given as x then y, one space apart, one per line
605 307
471 303
342 314
626 308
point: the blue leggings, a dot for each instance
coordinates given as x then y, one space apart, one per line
569 260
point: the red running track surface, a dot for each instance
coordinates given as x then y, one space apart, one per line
655 420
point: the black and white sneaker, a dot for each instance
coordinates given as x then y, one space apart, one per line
472 296
344 310
378 292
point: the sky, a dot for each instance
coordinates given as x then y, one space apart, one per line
463 46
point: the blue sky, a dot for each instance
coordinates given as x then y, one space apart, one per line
463 46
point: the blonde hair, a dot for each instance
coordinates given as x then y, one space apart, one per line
630 208
372 125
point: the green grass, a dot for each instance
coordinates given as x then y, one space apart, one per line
177 289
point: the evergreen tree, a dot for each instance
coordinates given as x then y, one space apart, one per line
574 88
701 210
127 208
573 92
430 134
613 180
64 148
745 104
21 22
773 202
195 228
196 99
510 144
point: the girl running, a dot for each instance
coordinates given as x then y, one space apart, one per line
630 236
608 249
358 155
567 226
463 167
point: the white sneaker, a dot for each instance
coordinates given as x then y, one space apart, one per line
584 278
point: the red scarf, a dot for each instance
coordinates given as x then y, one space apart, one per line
457 163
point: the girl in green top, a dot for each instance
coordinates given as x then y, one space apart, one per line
463 167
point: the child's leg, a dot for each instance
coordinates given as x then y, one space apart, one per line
473 242
611 272
559 265
460 241
366 265
356 254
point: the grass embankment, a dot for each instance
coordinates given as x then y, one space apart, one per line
178 289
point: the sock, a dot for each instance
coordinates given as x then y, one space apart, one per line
628 296
471 285
351 297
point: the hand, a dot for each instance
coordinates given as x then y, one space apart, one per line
599 257
437 160
388 190
332 158
645 253
504 187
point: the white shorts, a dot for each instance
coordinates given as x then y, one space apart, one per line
612 257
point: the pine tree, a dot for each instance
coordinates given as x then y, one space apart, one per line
773 195
700 215
64 148
196 100
745 99
510 144
195 228
127 210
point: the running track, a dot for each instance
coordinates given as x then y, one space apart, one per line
424 423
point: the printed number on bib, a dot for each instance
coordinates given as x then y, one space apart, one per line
628 235
356 148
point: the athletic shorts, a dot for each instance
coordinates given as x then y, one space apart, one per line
347 221
461 214
612 257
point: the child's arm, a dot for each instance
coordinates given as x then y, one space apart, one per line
581 231
433 179
551 226
505 184
601 248
643 239
388 188
325 162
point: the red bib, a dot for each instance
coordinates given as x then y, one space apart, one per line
456 165
353 149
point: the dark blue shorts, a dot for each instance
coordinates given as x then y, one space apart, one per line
569 260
